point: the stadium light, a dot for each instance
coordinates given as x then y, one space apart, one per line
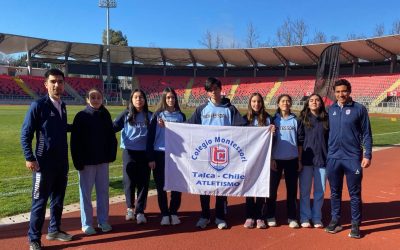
108 4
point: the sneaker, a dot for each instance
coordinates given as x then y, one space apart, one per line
271 222
355 231
305 224
249 223
129 214
165 221
175 220
35 245
88 230
221 224
261 224
318 224
141 219
59 235
202 223
293 223
105 227
333 227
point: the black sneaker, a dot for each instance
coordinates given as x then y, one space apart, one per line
333 227
355 231
35 245
59 235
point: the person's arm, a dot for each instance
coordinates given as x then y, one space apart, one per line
27 133
237 119
151 135
367 138
196 116
77 145
118 123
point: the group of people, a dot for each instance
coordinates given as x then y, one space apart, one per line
310 148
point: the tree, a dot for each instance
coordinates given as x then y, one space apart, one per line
252 36
291 33
379 30
334 38
319 37
116 38
396 27
300 32
284 33
353 36
211 41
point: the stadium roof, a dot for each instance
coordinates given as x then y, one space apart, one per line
376 49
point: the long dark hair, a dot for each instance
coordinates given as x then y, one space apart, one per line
162 105
278 110
133 111
262 115
322 115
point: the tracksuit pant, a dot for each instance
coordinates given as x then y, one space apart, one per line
291 175
221 204
336 169
159 178
254 207
136 175
98 176
47 184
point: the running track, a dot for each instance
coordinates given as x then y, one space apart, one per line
381 223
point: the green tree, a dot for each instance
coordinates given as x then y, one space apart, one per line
116 38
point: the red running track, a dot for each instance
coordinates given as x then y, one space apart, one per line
380 228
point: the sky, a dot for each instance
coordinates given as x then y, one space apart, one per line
182 24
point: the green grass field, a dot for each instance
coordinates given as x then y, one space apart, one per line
15 179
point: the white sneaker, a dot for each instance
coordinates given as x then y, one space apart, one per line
141 219
105 227
202 223
129 214
271 222
165 221
293 223
175 220
305 224
221 224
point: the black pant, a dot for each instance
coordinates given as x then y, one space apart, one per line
138 171
221 203
159 178
255 207
291 176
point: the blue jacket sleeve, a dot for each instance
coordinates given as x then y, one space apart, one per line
300 133
28 129
366 133
118 123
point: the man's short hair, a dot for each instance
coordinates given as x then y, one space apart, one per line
53 72
212 81
342 82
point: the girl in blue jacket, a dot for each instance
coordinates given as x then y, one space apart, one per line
257 116
93 147
285 157
167 111
134 122
313 139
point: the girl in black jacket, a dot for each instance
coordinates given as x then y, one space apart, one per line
93 147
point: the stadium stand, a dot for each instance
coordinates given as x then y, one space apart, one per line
9 89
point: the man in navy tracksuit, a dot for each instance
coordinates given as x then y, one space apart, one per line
47 120
218 111
349 151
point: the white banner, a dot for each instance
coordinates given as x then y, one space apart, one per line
217 160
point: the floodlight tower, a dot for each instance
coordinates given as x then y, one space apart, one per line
108 4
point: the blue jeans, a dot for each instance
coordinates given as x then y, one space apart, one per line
307 175
98 176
